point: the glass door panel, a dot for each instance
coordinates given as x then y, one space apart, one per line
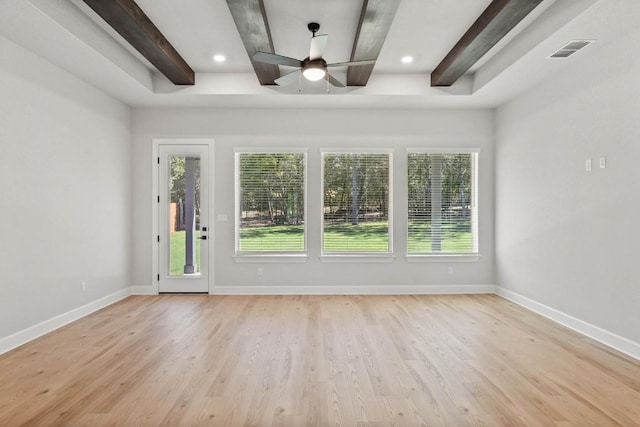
184 215
183 204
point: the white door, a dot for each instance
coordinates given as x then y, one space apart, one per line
183 218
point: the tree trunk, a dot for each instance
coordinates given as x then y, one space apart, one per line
436 203
354 185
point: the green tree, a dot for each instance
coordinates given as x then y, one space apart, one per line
356 186
272 187
177 184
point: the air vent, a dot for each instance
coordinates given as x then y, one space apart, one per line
570 48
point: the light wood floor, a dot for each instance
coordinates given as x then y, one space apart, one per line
317 360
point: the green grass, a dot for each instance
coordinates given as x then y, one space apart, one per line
364 237
269 238
177 252
456 238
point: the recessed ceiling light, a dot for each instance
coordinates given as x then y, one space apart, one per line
407 59
219 58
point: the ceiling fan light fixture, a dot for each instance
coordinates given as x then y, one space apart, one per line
314 72
313 67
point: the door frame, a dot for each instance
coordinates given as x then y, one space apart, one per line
155 206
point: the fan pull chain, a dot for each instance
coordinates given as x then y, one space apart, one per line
300 82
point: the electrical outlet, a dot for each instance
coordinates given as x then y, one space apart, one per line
587 165
259 271
603 162
450 270
83 286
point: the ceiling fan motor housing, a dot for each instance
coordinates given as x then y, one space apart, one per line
314 63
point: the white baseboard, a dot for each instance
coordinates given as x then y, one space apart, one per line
336 290
144 290
353 290
610 339
22 337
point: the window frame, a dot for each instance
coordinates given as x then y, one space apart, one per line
358 256
267 256
448 257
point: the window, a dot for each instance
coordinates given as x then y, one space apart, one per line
270 202
442 203
356 203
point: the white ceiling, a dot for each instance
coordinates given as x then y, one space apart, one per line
71 35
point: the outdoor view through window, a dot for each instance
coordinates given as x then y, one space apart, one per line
441 203
271 202
356 203
184 215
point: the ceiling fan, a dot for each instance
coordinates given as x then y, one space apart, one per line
313 67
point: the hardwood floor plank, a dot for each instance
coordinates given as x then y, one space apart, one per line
288 421
291 382
317 360
340 406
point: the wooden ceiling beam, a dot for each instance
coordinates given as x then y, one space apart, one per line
500 17
251 21
126 17
375 20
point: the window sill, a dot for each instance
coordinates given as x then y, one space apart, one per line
443 258
271 258
360 258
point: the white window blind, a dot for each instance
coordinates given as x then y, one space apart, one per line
442 203
356 203
270 202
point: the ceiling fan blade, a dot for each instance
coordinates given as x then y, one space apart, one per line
352 63
272 58
318 46
289 78
335 82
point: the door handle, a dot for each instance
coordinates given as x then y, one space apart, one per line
202 237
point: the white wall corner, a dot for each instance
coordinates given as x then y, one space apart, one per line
22 337
622 344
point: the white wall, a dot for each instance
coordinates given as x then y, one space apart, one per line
65 214
568 238
313 129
